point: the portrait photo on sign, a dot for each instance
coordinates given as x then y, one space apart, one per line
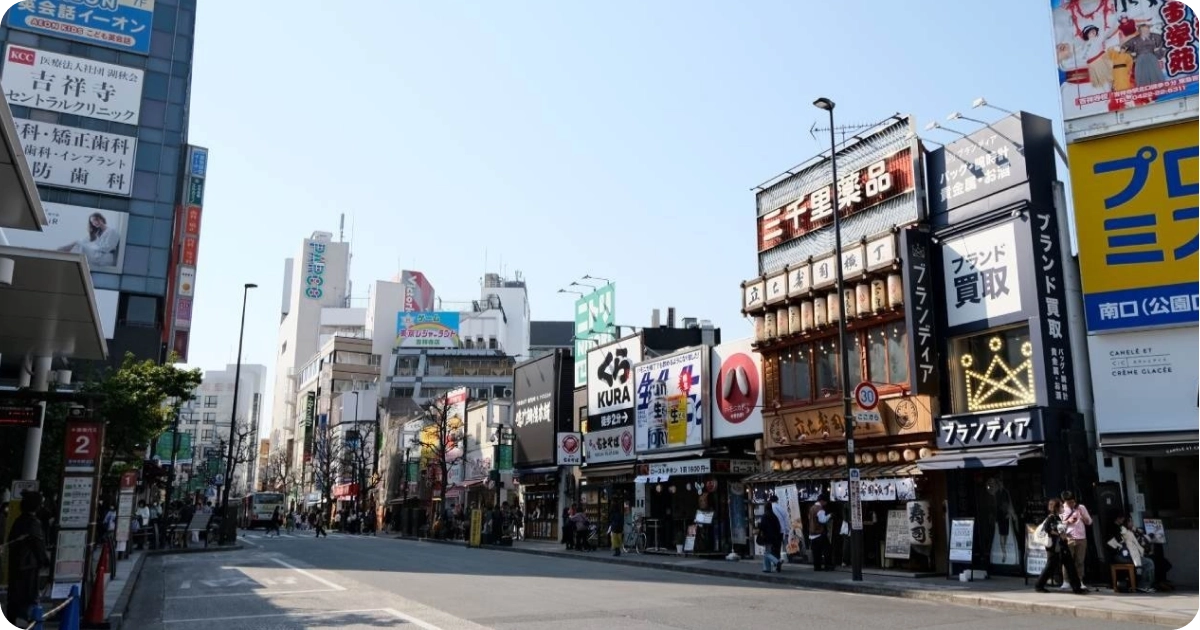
97 234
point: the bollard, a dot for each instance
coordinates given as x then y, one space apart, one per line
69 620
37 615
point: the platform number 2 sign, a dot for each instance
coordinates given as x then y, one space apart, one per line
83 445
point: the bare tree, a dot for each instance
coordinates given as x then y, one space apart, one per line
244 450
358 457
442 432
281 473
326 455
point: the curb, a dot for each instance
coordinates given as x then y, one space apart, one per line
117 616
963 599
213 549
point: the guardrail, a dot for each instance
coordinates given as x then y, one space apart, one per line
67 620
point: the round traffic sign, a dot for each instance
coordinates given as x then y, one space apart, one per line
866 395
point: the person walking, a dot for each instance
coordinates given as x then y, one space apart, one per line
818 519
273 526
26 557
770 536
1077 519
1058 555
568 527
616 527
785 526
318 523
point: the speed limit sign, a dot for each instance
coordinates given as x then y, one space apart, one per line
866 395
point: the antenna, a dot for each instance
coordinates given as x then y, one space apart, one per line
342 227
844 130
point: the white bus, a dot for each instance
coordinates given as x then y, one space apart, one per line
255 510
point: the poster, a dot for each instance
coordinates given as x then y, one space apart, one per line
1155 531
962 531
738 526
75 508
897 544
97 234
790 500
1035 554
70 157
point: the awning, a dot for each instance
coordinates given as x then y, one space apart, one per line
617 470
50 307
980 458
1158 444
651 478
536 471
20 207
655 457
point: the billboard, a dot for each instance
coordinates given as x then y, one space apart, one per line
737 391
314 268
436 329
97 234
1115 56
68 157
121 24
610 445
71 85
980 275
418 293
610 384
594 325
1139 371
671 395
1136 219
534 402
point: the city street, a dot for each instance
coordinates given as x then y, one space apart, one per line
366 582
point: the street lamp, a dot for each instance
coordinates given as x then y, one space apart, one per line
856 534
237 382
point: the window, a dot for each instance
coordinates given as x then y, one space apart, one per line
809 372
210 401
207 435
992 370
140 309
210 416
347 357
887 354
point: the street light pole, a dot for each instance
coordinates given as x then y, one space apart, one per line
856 533
237 382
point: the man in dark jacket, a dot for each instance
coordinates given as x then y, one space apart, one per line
616 526
27 556
770 536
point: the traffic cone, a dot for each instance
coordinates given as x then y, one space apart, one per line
94 617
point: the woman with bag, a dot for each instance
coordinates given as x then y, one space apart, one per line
770 537
1052 535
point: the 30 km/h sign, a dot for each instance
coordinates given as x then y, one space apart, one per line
866 395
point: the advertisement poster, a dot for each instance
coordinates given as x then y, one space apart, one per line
121 24
1136 220
897 544
570 449
68 157
670 401
738 523
1151 369
97 234
610 445
427 330
71 85
737 390
980 276
962 532
595 314
1119 55
610 383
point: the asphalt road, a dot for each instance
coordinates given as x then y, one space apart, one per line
365 582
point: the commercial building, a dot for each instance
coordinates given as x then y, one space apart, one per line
100 102
1131 129
208 417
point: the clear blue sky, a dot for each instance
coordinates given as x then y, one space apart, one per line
618 138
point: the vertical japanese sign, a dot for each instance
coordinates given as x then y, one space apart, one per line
121 24
1138 228
314 269
923 368
1048 262
71 85
980 275
672 394
535 385
68 157
187 248
80 480
595 325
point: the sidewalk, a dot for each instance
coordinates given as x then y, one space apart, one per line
1173 610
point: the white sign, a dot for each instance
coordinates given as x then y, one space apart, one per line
478 465
187 280
612 445
777 288
69 555
753 295
868 417
570 449
881 252
824 273
97 234
71 85
1136 371
68 157
853 262
799 279
686 467
737 395
670 401
980 275
76 506
610 383
962 536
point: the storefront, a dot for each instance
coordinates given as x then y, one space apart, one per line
539 496
602 487
688 505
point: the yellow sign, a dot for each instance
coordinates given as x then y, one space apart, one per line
677 420
476 528
1138 227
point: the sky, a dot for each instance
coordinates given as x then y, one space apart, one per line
617 139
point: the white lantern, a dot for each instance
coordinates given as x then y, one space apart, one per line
895 290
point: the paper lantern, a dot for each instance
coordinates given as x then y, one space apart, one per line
925 452
835 307
841 460
850 304
760 328
868 458
796 463
806 316
769 324
782 324
820 314
829 460
786 465
808 462
878 295
893 456
862 298
895 290
793 313
775 465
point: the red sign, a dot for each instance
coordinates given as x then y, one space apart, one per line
191 221
190 245
128 480
344 490
22 56
83 446
857 191
738 386
181 344
867 396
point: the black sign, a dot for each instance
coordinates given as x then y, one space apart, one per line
534 411
20 415
1056 380
919 316
1018 427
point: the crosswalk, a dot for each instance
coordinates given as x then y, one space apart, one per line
260 535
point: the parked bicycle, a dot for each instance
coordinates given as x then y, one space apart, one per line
636 541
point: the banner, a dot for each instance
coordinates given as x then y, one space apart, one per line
72 85
68 157
121 24
427 330
595 315
670 401
97 234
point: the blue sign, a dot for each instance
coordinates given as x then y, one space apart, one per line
199 161
121 24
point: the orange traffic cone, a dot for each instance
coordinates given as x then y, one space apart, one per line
94 617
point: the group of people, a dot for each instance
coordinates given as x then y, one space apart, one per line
774 525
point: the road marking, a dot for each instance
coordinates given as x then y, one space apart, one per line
257 593
185 585
410 619
309 574
314 613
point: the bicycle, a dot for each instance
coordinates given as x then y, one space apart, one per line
635 542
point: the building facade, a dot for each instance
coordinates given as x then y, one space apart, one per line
208 416
103 121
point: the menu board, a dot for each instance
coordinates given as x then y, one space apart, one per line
1035 554
69 555
1155 531
898 544
962 534
76 504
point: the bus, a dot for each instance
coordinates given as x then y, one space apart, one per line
255 510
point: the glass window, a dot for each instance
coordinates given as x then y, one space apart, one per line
179 70
207 435
161 43
183 47
148 155
44 116
22 38
141 208
795 377
137 260
166 187
83 199
132 60
92 124
137 230
157 286
123 129
855 359
54 45
149 134
141 309
164 18
106 281
897 344
174 117
164 210
210 401
154 113
992 370
177 92
825 357
158 65
185 25
113 203
155 86
170 159
145 185
133 283
161 234
210 416
158 263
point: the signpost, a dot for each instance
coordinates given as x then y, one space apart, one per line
866 396
80 482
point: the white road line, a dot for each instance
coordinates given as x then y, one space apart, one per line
314 613
256 593
410 619
309 574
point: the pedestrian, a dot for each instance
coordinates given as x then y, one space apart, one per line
818 518
616 527
568 527
581 529
318 523
498 523
785 527
273 526
26 548
1077 518
770 536
1058 555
